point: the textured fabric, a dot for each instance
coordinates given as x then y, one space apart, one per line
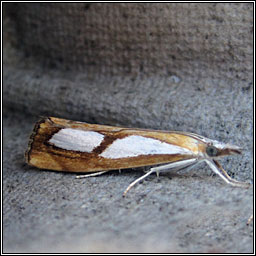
138 38
172 66
124 62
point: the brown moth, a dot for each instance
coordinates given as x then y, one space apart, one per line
65 145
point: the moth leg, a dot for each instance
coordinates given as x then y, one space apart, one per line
187 167
250 219
138 180
90 175
176 165
217 168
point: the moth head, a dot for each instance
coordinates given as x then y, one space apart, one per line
216 149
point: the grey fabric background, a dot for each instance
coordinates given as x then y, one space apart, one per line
172 66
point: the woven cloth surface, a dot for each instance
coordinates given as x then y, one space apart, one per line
172 66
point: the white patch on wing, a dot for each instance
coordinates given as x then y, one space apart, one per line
134 145
76 140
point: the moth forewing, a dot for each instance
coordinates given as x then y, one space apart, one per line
65 145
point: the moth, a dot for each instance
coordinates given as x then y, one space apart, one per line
65 145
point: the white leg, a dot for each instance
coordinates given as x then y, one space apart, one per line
90 175
138 180
250 219
217 168
187 166
176 165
